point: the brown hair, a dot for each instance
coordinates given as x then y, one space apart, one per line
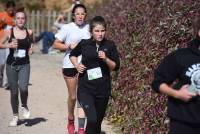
97 20
21 10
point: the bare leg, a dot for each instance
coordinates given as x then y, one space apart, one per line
71 83
81 113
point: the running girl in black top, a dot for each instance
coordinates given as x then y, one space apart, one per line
99 58
19 55
19 41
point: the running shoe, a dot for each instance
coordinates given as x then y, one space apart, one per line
70 127
13 122
25 113
81 131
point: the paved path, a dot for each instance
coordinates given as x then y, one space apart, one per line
47 100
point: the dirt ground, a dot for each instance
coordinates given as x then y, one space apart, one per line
47 100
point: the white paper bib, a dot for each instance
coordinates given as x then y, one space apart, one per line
94 73
20 53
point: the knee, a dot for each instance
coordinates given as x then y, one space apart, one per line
72 98
23 92
23 88
14 94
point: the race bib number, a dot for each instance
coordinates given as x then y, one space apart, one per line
21 53
94 73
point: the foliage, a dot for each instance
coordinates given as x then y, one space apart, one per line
145 31
52 4
2 0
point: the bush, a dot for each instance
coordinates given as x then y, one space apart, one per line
145 31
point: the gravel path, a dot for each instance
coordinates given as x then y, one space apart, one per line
47 100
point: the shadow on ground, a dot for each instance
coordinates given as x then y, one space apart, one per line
31 122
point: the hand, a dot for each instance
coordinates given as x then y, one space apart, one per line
30 52
13 44
183 94
102 55
80 68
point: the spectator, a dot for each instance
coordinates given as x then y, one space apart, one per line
2 59
47 38
60 21
6 22
7 17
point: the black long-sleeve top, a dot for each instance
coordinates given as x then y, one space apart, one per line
182 67
89 51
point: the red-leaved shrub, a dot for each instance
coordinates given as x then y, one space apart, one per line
144 31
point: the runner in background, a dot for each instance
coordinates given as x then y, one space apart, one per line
19 41
6 22
66 39
2 57
99 58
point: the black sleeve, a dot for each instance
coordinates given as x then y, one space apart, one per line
167 72
114 56
77 50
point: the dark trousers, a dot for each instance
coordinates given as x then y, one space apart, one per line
178 127
18 79
94 109
1 74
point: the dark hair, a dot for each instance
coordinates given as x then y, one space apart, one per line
77 6
21 10
97 20
10 3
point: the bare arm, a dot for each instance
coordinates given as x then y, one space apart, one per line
4 41
80 67
111 64
68 9
182 94
30 51
59 21
60 18
60 45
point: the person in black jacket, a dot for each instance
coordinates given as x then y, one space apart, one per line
99 58
178 76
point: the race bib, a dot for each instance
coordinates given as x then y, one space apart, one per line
20 53
94 73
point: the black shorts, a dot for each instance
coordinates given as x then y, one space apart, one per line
69 72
